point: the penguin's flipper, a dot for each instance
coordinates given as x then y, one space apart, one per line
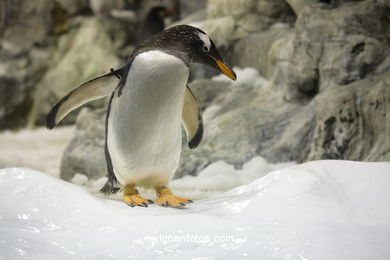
192 119
93 89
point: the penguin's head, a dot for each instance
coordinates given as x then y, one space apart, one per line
193 42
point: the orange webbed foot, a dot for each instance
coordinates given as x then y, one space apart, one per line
132 198
167 199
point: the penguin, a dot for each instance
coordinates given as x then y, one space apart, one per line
149 101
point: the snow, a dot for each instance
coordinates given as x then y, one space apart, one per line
210 113
80 179
316 210
40 149
216 178
245 76
220 177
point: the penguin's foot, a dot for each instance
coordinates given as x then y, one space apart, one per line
167 199
132 198
136 200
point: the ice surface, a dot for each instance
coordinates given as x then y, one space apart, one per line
317 210
39 148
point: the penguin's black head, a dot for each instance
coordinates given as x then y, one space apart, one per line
193 42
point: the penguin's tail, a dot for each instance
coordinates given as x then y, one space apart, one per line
110 188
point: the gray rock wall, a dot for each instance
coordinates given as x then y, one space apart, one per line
335 46
49 47
231 20
23 59
353 121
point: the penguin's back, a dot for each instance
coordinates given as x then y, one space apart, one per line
144 122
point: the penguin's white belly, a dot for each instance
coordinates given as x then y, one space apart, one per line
144 124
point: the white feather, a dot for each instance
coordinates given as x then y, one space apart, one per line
144 127
205 39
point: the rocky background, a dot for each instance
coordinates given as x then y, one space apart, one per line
324 90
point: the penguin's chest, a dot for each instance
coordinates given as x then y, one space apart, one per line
144 124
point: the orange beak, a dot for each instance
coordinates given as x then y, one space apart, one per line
225 69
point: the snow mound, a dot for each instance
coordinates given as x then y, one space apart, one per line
220 177
316 210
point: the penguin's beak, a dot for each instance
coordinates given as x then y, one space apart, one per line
225 69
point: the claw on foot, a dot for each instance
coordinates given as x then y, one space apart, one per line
136 200
132 198
167 199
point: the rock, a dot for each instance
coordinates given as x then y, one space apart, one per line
85 153
230 20
14 100
75 7
83 54
333 47
18 34
188 8
24 54
196 19
352 121
104 8
348 123
298 5
254 49
241 121
273 9
338 3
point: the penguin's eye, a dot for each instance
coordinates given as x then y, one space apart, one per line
206 48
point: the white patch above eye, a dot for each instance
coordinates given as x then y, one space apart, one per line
206 41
